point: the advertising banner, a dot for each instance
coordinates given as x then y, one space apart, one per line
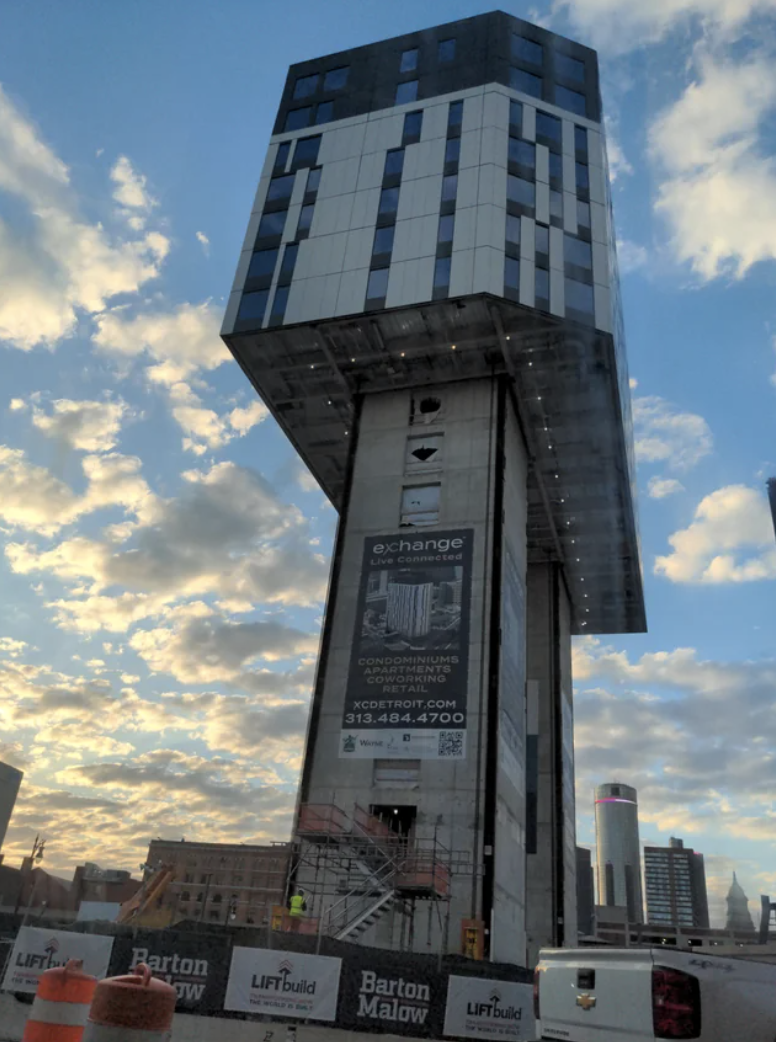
407 684
38 950
489 1009
283 984
390 993
194 964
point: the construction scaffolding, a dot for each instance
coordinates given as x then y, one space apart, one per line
356 870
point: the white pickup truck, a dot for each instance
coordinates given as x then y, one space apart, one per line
640 994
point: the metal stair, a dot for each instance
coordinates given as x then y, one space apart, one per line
369 917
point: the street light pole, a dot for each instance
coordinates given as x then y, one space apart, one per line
38 848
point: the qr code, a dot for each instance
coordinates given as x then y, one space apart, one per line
451 743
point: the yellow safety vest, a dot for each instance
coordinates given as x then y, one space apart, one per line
296 905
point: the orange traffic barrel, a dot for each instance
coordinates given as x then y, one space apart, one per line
61 1005
134 1008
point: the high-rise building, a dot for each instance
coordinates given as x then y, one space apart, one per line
409 607
427 300
772 500
618 854
585 893
738 915
10 781
675 882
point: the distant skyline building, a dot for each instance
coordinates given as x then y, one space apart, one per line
738 917
772 499
10 781
585 893
618 853
409 608
675 884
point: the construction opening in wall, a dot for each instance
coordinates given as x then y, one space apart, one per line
397 817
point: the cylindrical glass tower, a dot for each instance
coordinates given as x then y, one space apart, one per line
618 854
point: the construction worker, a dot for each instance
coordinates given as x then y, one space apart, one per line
297 906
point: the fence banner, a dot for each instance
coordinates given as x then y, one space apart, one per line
194 965
394 992
283 984
37 950
489 1009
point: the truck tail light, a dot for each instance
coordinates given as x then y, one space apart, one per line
536 995
676 1004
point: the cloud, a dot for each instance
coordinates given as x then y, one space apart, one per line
180 341
660 488
206 429
718 195
90 426
662 434
131 188
618 163
731 539
631 256
204 242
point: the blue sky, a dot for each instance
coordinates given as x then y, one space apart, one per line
165 556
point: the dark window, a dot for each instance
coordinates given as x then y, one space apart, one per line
453 150
609 885
446 50
278 311
521 191
280 187
583 214
262 263
522 152
513 229
579 252
272 223
442 272
569 68
305 86
516 114
336 78
525 82
305 218
298 118
306 151
571 100
289 260
413 123
389 201
313 180
394 162
383 240
526 50
406 92
449 187
253 306
446 228
542 291
583 175
377 287
542 239
455 114
512 273
409 60
579 297
325 112
556 166
281 157
549 128
556 207
580 139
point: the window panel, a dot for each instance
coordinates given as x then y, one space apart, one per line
279 307
305 86
313 180
325 112
377 287
389 200
272 223
446 50
549 127
394 162
569 68
542 291
455 114
406 92
513 229
516 113
579 297
413 124
281 156
446 228
542 239
280 187
383 239
580 139
579 252
420 505
253 305
556 205
583 175
571 100
556 166
526 50
453 150
525 82
336 79
521 191
306 151
442 272
409 60
583 214
522 152
449 187
262 263
298 118
289 260
305 218
512 273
